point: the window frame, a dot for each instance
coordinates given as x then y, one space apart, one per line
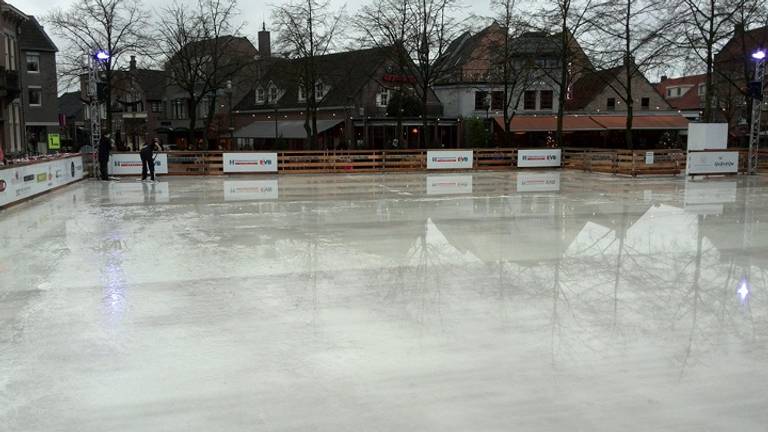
39 91
551 100
481 95
610 104
645 102
27 57
534 94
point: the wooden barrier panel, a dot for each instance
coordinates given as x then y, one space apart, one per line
613 161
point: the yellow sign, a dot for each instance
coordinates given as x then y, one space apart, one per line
54 141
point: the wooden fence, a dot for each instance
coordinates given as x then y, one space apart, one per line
613 161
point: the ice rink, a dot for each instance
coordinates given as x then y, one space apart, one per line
496 301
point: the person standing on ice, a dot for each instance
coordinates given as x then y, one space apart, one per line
147 158
105 147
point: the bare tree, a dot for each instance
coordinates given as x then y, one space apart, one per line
308 31
389 24
707 24
567 19
631 35
203 54
433 30
508 68
87 26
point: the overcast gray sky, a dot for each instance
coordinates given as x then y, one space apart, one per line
252 11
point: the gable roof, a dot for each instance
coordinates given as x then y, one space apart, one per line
589 85
753 39
344 74
691 99
34 38
70 104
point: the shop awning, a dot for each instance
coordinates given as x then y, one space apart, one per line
655 122
577 122
292 129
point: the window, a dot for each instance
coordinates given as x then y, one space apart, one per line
669 92
319 91
481 100
497 100
35 96
529 100
702 89
545 99
156 107
10 52
645 103
679 91
382 98
273 94
611 104
302 94
179 113
33 62
260 95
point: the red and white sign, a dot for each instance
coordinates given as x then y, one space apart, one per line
536 158
450 159
249 162
130 164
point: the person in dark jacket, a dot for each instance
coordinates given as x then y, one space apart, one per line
147 158
105 147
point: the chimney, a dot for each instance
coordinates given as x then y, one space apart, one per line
738 29
133 63
664 78
265 50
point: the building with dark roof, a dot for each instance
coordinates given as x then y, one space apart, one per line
74 131
734 69
39 85
354 89
12 136
684 94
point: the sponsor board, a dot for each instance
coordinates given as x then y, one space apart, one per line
649 158
250 190
130 164
27 181
127 192
449 184
249 162
450 159
707 136
534 158
712 163
538 182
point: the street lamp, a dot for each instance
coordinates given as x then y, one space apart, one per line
754 131
102 56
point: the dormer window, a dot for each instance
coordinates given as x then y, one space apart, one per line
319 90
273 94
302 94
260 95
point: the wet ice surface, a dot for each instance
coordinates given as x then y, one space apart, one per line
407 302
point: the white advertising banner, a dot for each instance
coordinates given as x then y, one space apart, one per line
128 192
449 184
26 181
130 164
649 158
713 163
450 159
538 182
707 136
250 190
249 162
534 158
